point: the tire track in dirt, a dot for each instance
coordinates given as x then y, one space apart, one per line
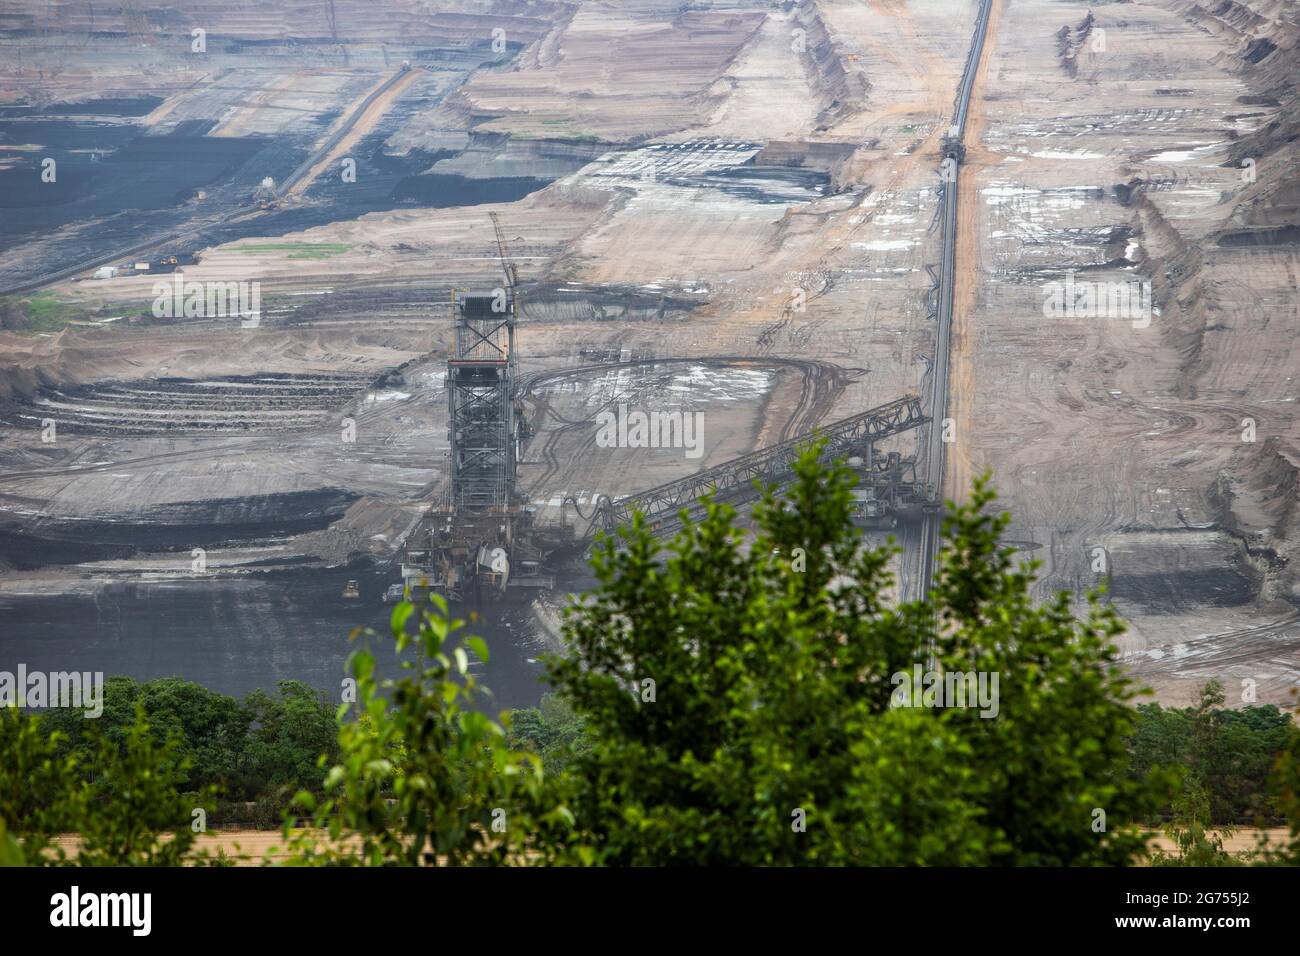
820 386
1211 653
189 453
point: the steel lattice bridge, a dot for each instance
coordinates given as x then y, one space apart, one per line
854 436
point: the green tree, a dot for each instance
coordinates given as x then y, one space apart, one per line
1189 829
1228 754
1159 743
35 782
130 812
1244 754
1285 781
119 698
737 697
552 731
423 778
120 797
289 733
263 748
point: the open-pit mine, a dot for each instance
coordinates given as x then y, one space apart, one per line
304 303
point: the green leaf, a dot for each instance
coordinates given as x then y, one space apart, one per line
397 620
479 647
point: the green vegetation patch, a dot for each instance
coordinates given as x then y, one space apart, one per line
42 312
297 250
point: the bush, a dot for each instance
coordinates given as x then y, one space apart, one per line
424 779
121 796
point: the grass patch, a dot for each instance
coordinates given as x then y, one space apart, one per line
45 312
297 250
42 312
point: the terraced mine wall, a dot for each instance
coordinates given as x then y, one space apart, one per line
179 527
